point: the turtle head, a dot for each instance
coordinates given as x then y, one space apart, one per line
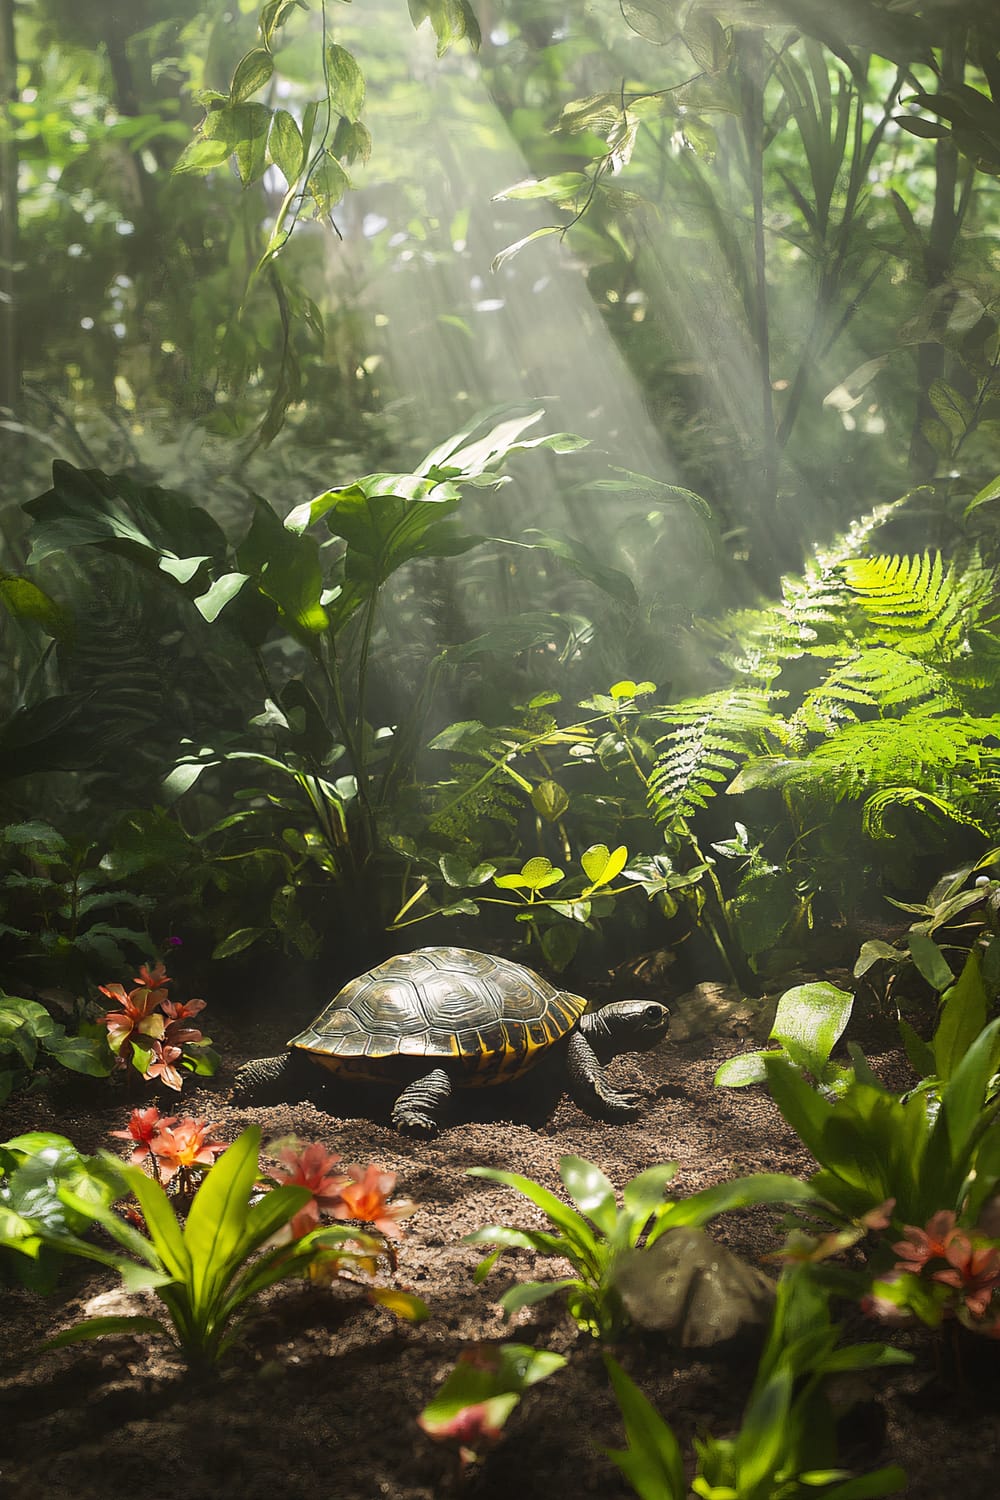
627 1025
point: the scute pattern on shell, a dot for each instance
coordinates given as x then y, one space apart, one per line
486 1015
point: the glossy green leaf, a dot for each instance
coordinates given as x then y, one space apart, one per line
216 1221
403 1305
23 598
963 1015
284 146
741 1071
97 1328
590 1190
580 1238
81 1055
252 72
345 81
602 865
809 1021
929 960
652 1463
550 800
164 1231
529 1293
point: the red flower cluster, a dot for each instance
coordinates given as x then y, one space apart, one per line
150 1030
968 1263
358 1193
173 1145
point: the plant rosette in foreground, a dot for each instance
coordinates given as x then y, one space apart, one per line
207 1271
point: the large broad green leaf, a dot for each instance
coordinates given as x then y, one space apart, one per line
160 528
466 462
345 81
252 72
514 1239
81 1054
452 20
809 1021
388 520
286 569
929 960
529 1293
284 145
643 1195
741 1071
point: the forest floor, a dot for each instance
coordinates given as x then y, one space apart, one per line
320 1400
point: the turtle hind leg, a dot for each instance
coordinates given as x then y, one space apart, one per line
417 1110
589 1086
274 1080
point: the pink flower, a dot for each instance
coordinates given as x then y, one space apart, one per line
182 1145
473 1428
363 1197
880 1217
919 1246
161 1065
143 1126
153 979
177 1033
134 1020
180 1010
307 1166
974 1270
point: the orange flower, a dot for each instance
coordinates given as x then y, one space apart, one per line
143 1126
307 1165
363 1197
134 1020
161 1065
974 1270
153 979
179 1010
177 1033
919 1246
180 1147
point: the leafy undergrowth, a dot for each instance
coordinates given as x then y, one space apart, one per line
321 1399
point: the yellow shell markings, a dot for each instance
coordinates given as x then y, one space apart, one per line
487 1016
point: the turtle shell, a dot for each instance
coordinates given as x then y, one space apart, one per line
486 1018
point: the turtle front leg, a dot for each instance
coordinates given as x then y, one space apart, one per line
273 1080
417 1109
589 1086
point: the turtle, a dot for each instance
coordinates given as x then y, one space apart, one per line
443 1018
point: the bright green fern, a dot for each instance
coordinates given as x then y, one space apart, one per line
708 739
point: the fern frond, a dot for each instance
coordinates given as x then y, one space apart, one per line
883 681
955 757
760 642
708 739
917 602
873 814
